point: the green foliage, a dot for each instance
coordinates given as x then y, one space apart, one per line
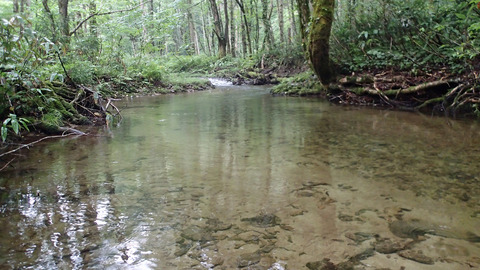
81 71
13 123
194 64
413 34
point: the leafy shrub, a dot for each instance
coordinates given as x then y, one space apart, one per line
81 72
193 64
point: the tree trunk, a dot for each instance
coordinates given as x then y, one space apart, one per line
15 6
319 36
232 30
63 11
281 22
293 22
244 39
304 16
208 46
191 27
218 30
52 20
225 10
93 21
245 25
268 41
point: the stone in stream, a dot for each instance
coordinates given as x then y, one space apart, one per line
387 246
248 259
263 221
417 256
195 233
359 237
215 225
415 228
324 264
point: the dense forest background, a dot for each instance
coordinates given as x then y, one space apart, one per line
60 57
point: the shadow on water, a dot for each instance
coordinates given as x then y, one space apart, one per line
234 178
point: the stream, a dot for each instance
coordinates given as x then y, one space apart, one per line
235 178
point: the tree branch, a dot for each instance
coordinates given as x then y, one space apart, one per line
102 14
37 141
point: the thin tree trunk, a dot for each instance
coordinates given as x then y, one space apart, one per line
15 6
292 19
268 41
245 25
52 20
227 21
63 11
208 47
218 30
244 39
191 28
304 14
232 30
281 24
257 29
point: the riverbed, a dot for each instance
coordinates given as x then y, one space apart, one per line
236 178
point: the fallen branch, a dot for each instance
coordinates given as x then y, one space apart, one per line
410 90
35 142
6 165
430 101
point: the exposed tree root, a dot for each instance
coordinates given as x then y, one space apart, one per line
449 95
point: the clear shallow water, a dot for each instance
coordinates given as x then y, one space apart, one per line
234 178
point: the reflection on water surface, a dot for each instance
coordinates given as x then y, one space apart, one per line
235 178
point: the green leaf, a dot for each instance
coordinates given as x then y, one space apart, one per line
4 132
24 122
15 125
461 16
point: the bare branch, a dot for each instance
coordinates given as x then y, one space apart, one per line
102 14
37 141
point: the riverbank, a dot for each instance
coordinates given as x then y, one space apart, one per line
438 92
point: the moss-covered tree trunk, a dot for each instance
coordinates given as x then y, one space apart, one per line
319 36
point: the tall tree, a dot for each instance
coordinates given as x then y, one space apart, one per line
15 6
304 16
281 23
268 39
191 28
245 25
319 37
232 29
63 11
52 20
218 29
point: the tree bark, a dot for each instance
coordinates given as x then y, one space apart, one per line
304 16
15 6
226 34
52 20
63 11
191 27
218 30
319 36
293 22
281 22
268 41
245 25
232 30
